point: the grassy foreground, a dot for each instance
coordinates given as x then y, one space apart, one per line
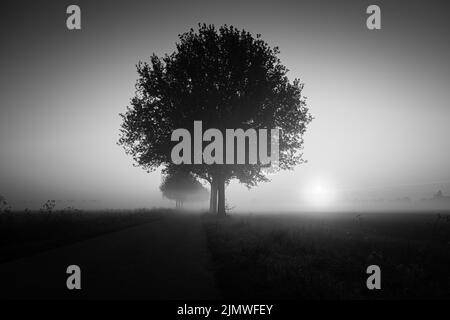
26 233
325 257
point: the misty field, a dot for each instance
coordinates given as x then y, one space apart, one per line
325 256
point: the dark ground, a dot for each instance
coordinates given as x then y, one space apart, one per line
152 255
25 233
161 254
325 257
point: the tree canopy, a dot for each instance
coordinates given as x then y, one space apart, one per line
226 78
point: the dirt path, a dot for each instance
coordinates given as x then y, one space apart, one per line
164 259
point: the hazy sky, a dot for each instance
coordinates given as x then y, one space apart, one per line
380 98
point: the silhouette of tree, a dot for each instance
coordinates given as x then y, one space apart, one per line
182 186
438 195
3 202
228 79
4 206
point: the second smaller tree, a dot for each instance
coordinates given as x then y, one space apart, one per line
182 187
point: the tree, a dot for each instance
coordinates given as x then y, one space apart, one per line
227 79
4 206
3 203
438 195
182 186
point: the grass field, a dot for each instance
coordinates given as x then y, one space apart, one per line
26 233
261 256
326 256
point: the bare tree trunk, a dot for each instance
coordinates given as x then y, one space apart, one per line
221 197
213 197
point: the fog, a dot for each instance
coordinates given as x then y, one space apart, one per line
380 100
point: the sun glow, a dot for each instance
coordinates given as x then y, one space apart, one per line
320 194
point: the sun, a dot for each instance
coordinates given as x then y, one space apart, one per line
320 194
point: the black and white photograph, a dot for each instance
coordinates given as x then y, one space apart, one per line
224 159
